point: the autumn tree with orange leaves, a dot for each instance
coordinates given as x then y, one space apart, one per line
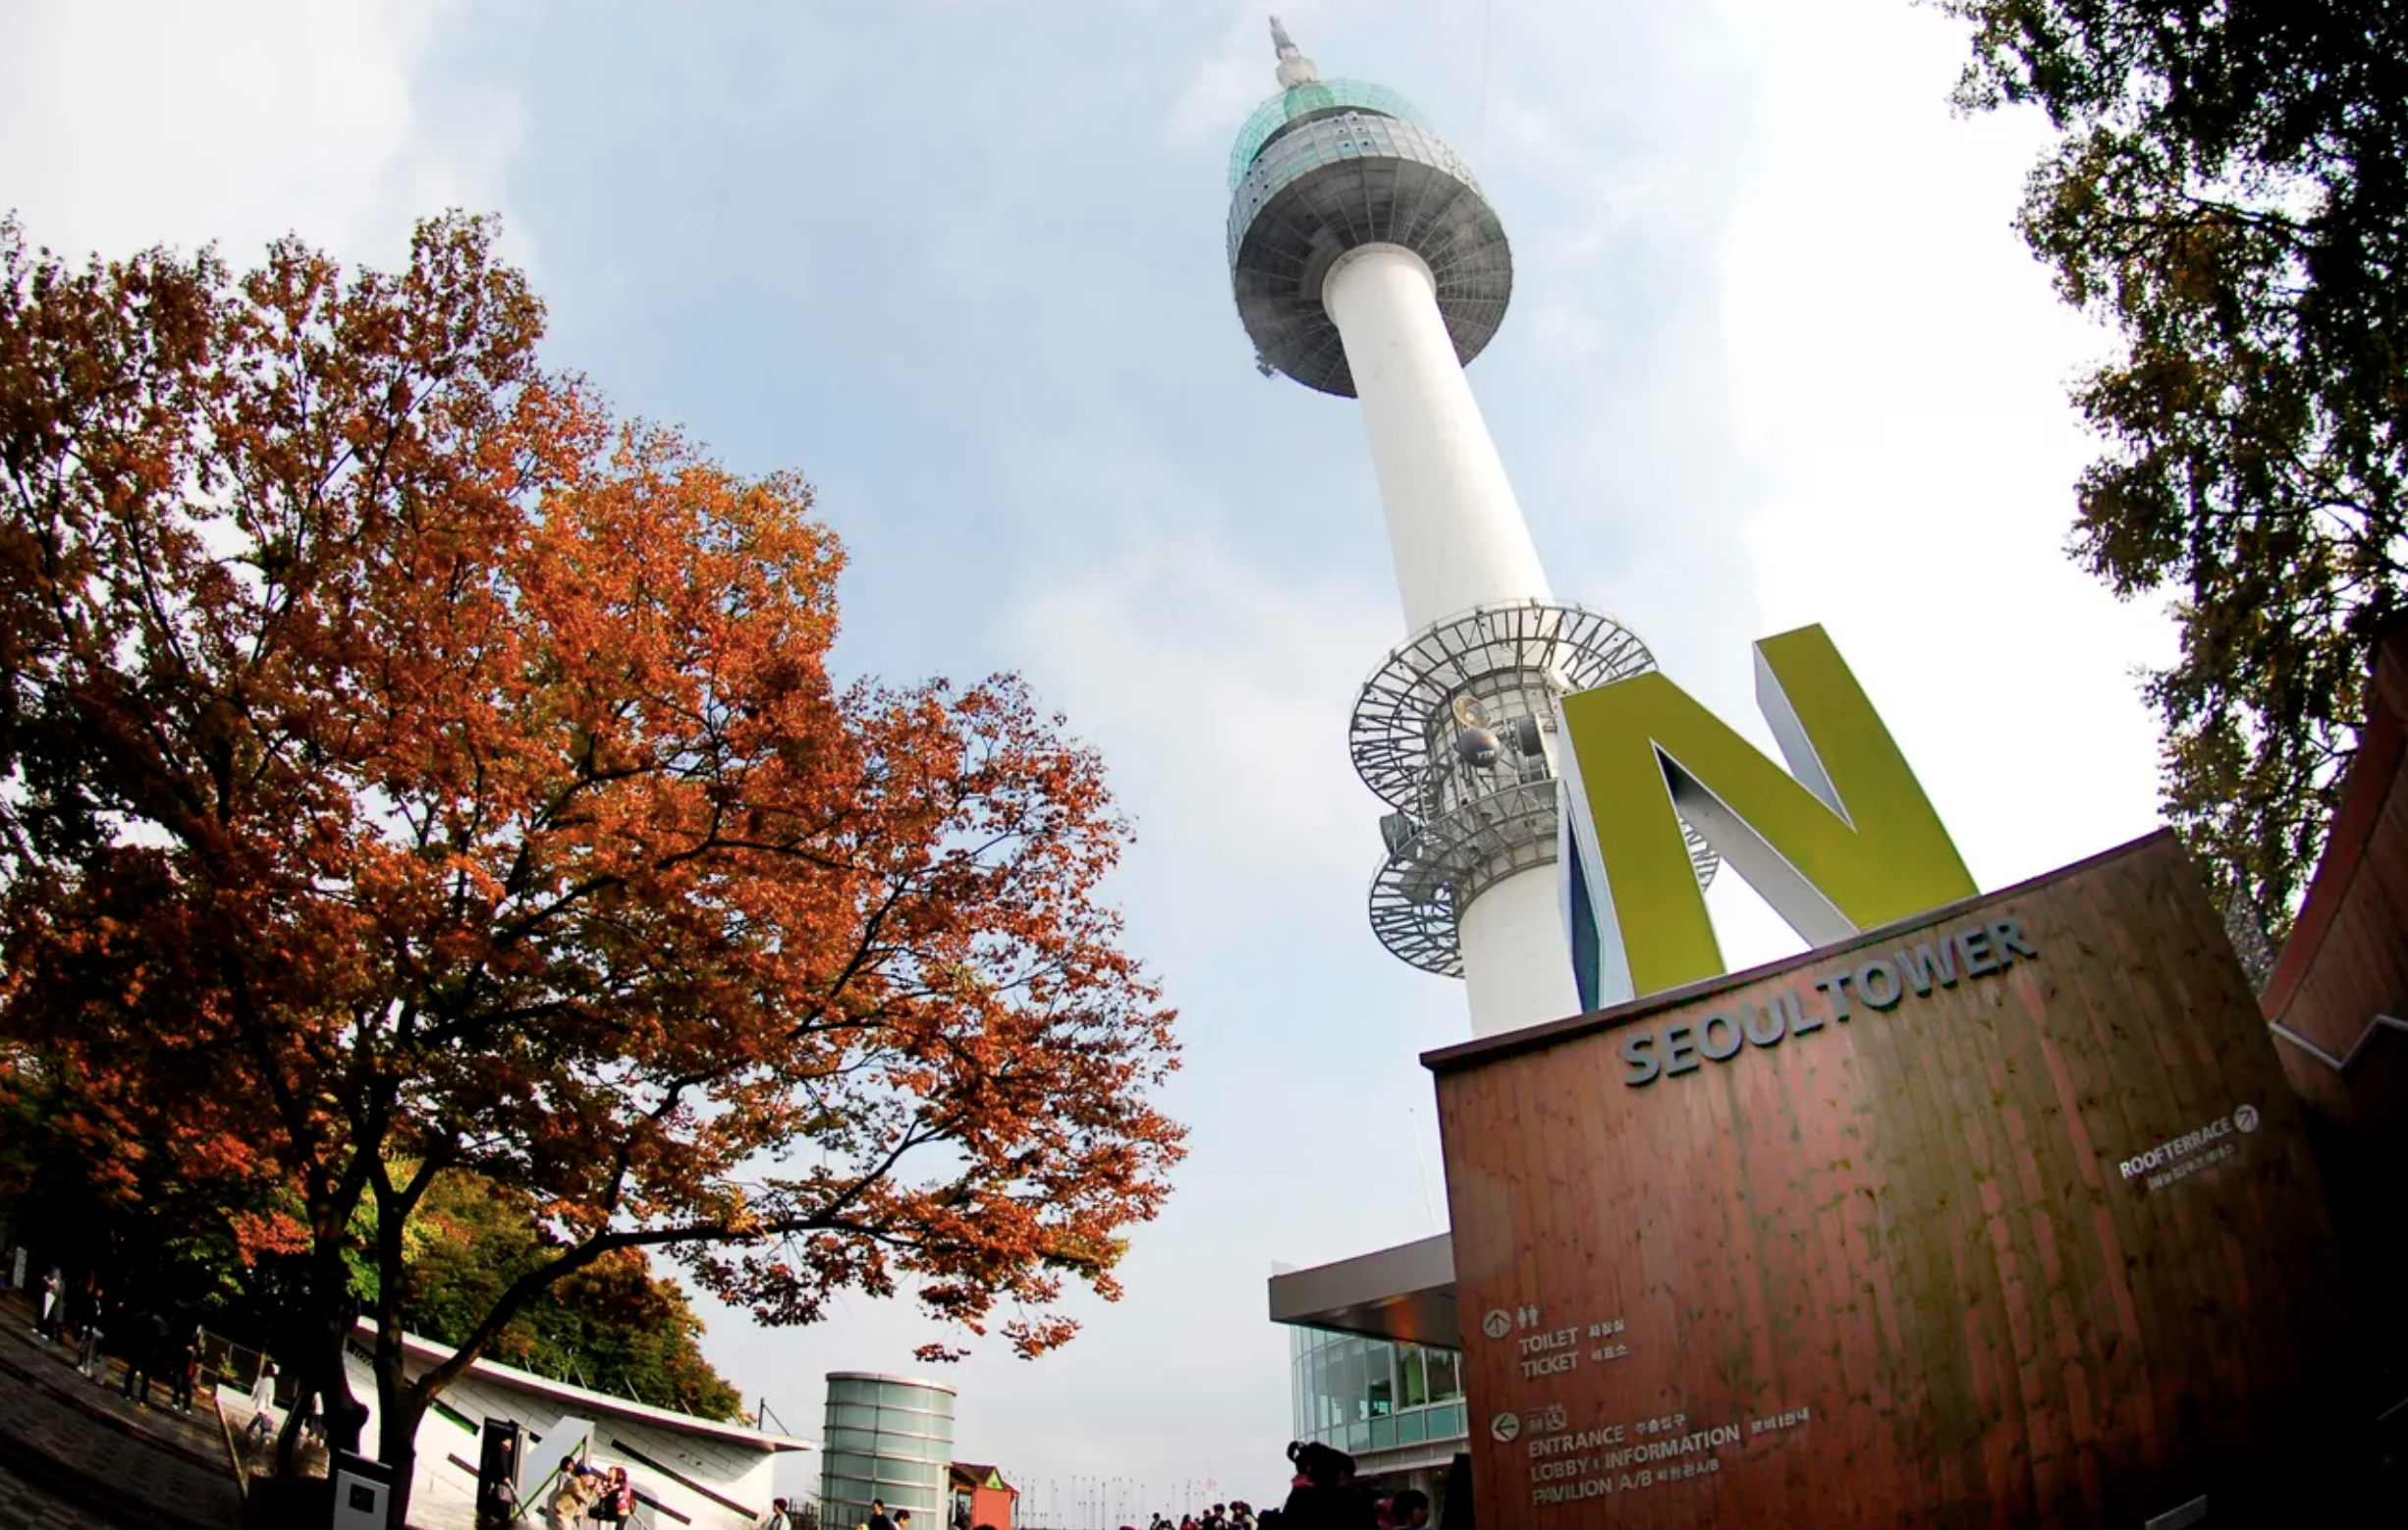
407 767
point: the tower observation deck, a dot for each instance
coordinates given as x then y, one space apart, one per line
1367 263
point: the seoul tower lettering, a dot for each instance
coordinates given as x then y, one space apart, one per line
1367 263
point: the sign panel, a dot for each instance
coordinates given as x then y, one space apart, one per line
2002 1215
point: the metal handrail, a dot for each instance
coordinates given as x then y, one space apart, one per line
2341 1064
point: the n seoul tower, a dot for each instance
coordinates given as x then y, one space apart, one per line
1367 264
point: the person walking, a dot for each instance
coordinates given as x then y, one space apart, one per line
777 1518
91 1358
142 1357
574 1488
185 1371
263 1423
46 1313
82 1322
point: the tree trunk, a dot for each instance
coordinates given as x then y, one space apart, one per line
398 1415
347 1417
318 1367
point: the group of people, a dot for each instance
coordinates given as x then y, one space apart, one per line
880 1518
152 1347
1236 1515
604 1495
1322 1494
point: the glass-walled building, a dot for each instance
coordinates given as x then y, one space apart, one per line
1396 1408
1375 1361
889 1438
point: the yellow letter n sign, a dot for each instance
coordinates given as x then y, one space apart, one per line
1842 841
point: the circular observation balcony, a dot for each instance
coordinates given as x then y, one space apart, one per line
1332 165
1463 820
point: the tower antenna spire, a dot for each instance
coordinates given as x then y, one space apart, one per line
1294 68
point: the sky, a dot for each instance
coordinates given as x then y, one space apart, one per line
1774 355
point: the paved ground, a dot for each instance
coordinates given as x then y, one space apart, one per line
25 1507
74 1450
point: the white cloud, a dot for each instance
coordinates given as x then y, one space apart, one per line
1218 691
1227 84
124 124
1900 367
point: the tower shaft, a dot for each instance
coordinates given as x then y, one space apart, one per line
1459 539
1367 263
1517 963
1455 528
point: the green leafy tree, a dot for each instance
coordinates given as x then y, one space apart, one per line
2228 190
611 1326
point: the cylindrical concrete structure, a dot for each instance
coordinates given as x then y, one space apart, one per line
1517 968
890 1438
1455 528
1458 540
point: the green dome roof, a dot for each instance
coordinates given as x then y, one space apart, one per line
1305 100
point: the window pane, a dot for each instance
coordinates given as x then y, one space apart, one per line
1413 1427
1444 1380
1325 1405
1353 1381
1297 1426
1411 1390
1383 1433
927 1447
1381 1394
